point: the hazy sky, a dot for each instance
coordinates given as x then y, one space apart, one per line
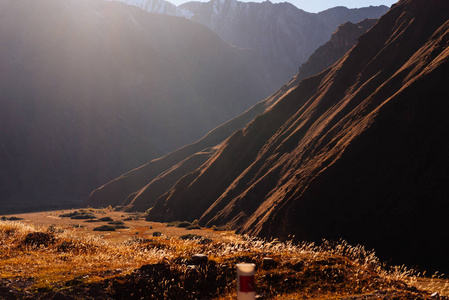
316 5
320 5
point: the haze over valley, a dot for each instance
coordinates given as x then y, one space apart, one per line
258 120
92 89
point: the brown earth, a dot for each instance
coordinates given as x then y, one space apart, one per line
138 227
357 152
139 189
43 257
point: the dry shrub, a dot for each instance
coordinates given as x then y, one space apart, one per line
39 239
161 267
105 228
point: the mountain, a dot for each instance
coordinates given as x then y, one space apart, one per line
356 152
285 41
90 89
158 7
139 189
281 33
342 40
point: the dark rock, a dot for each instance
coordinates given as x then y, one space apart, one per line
3 218
155 269
184 224
298 266
105 228
268 263
83 216
198 259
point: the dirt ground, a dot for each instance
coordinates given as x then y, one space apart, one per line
137 227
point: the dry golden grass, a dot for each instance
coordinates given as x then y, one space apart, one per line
51 258
70 257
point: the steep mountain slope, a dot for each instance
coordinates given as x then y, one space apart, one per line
128 189
90 89
283 34
142 186
357 152
342 40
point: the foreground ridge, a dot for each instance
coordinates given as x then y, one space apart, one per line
48 262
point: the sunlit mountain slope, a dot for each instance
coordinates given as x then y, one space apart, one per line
357 152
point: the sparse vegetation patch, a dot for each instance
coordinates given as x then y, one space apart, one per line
105 228
183 224
191 227
116 223
41 263
38 239
5 218
79 215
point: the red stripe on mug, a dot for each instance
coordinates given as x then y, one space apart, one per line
247 284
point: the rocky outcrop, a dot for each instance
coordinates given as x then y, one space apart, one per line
342 40
91 89
357 152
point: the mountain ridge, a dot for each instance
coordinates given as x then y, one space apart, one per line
141 187
106 90
158 7
346 154
287 41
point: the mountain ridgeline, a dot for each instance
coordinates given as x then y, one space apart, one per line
90 89
158 7
357 152
284 35
140 188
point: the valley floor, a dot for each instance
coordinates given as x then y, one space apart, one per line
103 254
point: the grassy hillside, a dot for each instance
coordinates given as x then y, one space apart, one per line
55 254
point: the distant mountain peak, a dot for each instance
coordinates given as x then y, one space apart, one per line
158 7
224 1
285 41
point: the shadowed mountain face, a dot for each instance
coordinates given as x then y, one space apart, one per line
140 188
90 89
283 34
342 40
357 152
